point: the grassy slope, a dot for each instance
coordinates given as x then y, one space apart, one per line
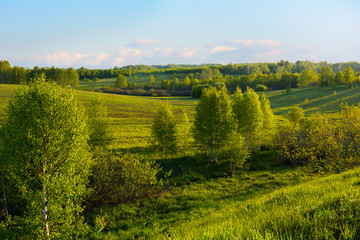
131 116
324 100
274 201
325 208
142 78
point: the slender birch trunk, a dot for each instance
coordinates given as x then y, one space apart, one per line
44 207
4 199
44 212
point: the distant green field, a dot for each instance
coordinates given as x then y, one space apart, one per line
131 116
103 83
141 78
314 99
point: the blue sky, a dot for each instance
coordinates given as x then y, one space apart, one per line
108 33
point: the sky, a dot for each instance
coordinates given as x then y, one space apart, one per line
108 33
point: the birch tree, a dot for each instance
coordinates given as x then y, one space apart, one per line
184 132
214 120
249 116
98 123
163 129
45 153
121 81
268 120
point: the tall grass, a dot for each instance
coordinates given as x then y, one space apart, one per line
326 208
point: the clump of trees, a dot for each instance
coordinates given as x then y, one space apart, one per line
229 129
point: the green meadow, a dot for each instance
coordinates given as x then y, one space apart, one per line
267 199
140 78
131 116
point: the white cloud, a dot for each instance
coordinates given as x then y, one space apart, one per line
238 50
164 51
221 49
96 60
188 52
243 42
117 61
268 43
140 43
130 52
65 58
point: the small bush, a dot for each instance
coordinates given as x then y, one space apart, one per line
197 90
161 93
261 88
119 179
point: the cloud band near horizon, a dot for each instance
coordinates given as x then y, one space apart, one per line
151 52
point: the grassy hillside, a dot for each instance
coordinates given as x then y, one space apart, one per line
324 208
256 205
131 116
268 200
314 99
141 78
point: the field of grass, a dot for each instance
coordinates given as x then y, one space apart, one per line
131 116
267 200
141 78
323 208
314 99
273 204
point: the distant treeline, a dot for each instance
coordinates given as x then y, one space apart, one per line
193 84
247 68
280 75
21 75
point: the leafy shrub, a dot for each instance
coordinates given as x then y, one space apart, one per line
161 93
261 88
322 141
197 90
119 179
